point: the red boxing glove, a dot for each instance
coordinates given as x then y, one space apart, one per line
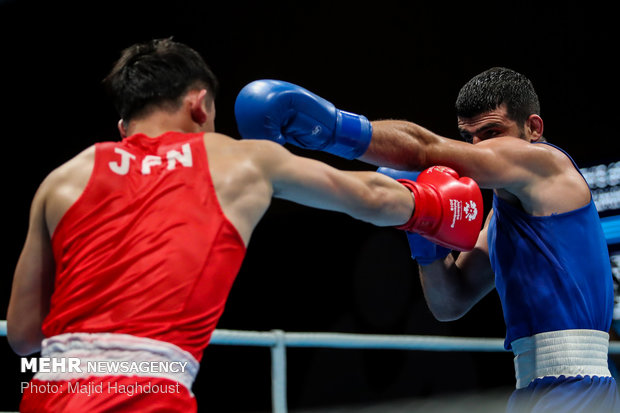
448 209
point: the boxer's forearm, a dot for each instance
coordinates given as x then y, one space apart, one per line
453 286
368 196
399 145
444 289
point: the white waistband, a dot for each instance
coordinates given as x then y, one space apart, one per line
107 354
566 353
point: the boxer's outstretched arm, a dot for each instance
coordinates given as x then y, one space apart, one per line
367 196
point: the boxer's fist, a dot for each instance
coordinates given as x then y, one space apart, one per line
448 209
422 250
284 112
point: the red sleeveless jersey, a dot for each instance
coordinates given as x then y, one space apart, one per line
146 250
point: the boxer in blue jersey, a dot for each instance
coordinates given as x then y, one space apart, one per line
542 247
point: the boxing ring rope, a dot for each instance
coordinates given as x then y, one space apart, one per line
278 341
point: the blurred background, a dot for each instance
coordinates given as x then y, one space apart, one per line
310 270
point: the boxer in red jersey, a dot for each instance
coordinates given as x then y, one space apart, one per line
133 246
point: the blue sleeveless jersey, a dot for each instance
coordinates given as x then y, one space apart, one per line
551 272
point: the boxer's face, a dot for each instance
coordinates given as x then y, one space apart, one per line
493 124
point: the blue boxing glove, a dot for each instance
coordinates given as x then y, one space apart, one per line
286 113
425 251
422 250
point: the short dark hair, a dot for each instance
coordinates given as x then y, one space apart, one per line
490 89
156 74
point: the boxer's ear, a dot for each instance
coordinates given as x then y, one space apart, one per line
198 108
534 128
122 129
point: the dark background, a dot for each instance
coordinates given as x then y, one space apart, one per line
308 270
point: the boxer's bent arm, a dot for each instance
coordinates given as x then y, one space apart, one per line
452 287
32 283
508 163
368 196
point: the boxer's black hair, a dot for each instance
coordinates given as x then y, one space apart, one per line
156 74
490 89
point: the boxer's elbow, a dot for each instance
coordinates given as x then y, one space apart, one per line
23 347
447 306
23 341
446 314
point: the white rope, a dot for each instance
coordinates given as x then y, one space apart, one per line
359 341
364 341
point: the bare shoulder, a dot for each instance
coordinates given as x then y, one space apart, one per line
76 165
557 185
546 160
240 178
557 159
236 163
64 185
246 147
564 170
250 154
73 170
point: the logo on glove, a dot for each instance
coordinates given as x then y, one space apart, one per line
471 210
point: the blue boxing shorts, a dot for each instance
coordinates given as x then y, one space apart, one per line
566 394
